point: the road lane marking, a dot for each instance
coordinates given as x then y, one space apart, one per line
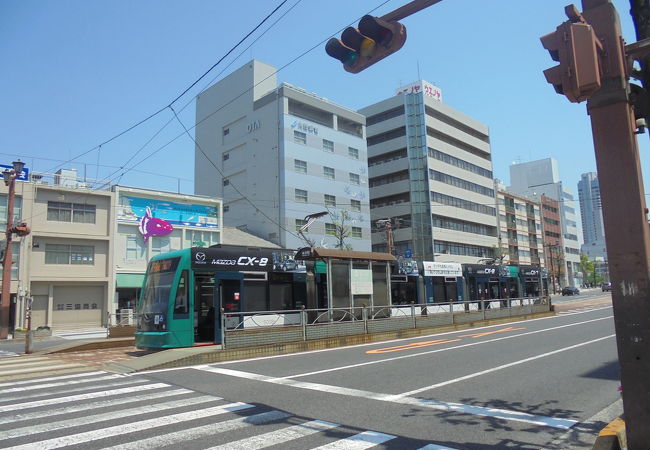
23 396
279 436
91 405
359 441
102 417
209 430
58 377
347 347
142 425
414 355
59 383
74 398
501 367
415 345
423 403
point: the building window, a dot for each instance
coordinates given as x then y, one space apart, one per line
196 238
354 178
160 245
71 212
69 254
330 200
356 232
226 208
301 196
226 181
353 152
330 228
328 146
299 137
301 223
355 205
329 173
226 131
136 249
300 166
225 156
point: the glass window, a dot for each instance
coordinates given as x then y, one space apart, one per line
328 146
330 228
226 181
301 196
355 205
71 212
225 156
300 223
330 200
136 249
69 254
299 137
181 303
160 244
82 254
356 232
353 152
197 238
18 202
328 173
354 178
300 166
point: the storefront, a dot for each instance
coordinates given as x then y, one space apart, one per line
405 282
484 282
533 281
443 282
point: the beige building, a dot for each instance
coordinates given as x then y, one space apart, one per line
519 220
85 258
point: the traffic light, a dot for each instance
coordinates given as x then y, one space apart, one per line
575 46
372 41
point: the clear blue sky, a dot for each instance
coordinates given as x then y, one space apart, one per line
75 73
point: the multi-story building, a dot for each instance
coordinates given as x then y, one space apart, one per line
277 154
541 177
553 246
430 170
591 212
87 252
520 229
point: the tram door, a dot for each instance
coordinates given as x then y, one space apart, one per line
229 294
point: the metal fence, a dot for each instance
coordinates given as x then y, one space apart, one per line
250 329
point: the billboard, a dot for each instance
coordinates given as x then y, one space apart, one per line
133 209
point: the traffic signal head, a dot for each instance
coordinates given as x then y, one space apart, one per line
372 41
575 46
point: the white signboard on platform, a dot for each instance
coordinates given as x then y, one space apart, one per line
442 269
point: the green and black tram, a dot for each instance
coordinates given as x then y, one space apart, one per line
186 291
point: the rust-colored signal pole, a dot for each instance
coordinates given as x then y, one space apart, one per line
625 218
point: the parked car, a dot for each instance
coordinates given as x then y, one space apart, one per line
570 290
606 286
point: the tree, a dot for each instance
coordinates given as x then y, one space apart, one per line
499 254
587 268
341 228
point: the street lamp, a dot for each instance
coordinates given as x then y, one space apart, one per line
9 176
309 219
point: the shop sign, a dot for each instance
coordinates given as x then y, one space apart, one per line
427 88
304 127
442 269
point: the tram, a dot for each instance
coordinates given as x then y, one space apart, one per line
186 291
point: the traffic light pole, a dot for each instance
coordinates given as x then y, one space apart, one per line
625 218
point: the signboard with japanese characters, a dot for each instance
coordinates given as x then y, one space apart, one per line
427 88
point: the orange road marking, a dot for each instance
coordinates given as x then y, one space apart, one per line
487 333
416 345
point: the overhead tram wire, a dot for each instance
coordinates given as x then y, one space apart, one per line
269 218
251 88
175 99
115 175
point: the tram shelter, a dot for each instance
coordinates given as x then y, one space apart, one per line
352 279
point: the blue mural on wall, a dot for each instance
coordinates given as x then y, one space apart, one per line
133 209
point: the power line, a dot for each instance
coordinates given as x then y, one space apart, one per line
150 116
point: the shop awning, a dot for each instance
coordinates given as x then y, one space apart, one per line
129 280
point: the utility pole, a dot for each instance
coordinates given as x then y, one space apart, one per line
388 227
595 66
10 176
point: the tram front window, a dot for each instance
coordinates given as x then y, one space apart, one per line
155 297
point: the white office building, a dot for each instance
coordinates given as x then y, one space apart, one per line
277 154
542 177
591 212
430 170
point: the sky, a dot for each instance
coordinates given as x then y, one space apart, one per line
77 73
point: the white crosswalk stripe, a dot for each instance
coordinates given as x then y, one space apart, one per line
580 310
130 412
7 353
34 366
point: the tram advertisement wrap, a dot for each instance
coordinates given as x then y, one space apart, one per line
231 258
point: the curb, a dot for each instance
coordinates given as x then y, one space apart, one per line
612 437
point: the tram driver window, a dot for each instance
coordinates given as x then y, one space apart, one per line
181 304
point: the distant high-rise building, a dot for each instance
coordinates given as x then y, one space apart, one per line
430 171
591 212
541 177
276 154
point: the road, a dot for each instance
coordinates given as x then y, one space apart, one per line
548 383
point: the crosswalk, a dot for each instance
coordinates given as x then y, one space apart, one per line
583 309
6 353
14 368
103 410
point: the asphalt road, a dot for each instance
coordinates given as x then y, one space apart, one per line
546 383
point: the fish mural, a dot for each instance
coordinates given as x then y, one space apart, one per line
151 226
